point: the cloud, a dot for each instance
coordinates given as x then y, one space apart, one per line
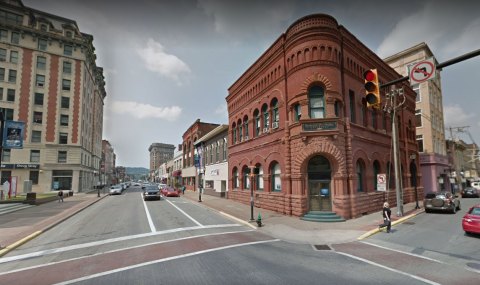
142 111
156 59
455 116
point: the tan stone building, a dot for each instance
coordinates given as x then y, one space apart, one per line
50 81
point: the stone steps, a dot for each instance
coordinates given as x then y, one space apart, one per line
322 217
12 207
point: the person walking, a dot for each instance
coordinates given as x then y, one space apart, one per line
386 213
183 189
60 196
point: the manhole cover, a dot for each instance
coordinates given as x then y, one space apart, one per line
322 247
408 223
473 265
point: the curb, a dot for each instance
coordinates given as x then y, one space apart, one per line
22 241
399 221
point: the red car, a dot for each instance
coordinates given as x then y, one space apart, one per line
170 192
471 220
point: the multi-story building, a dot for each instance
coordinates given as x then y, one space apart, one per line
213 151
191 160
301 135
159 153
121 173
50 81
108 163
177 167
430 129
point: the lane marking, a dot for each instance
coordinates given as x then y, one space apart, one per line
163 260
389 268
107 241
404 252
149 218
183 212
117 250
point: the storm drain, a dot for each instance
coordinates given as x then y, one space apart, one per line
322 247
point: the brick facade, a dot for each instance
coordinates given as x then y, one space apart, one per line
299 123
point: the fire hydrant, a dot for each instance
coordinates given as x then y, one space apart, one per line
259 220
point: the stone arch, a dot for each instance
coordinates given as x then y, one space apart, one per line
315 78
327 149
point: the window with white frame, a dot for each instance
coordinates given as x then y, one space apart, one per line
316 102
420 143
276 181
418 117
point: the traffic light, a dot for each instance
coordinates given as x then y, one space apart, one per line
372 88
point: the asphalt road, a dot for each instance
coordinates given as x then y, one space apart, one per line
124 240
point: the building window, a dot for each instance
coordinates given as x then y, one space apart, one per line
276 182
67 67
316 102
211 153
6 155
67 50
246 177
8 113
38 99
66 85
256 114
37 117
12 76
235 178
43 28
3 54
3 35
63 138
351 95
2 74
245 127
224 149
62 156
1 93
34 176
217 152
11 95
240 131
40 80
266 118
5 176
297 112
360 175
416 88
69 34
420 143
65 102
15 39
41 62
275 113
234 134
14 56
36 136
64 120
34 155
260 178
418 117
42 44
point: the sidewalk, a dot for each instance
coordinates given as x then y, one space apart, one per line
293 229
18 227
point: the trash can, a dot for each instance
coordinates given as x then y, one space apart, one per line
31 198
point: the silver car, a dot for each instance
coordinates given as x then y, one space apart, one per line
441 201
116 190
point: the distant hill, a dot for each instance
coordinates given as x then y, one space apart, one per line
136 171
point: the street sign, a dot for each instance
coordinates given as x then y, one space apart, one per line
381 182
421 71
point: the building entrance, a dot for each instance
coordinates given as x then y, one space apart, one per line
319 177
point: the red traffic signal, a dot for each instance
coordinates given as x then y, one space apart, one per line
372 88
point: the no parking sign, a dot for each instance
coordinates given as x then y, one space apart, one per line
381 182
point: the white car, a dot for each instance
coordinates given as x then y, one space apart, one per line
116 190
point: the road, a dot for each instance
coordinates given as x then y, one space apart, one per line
124 240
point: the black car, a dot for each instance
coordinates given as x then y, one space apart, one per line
151 192
470 192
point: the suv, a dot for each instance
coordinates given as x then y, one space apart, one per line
442 201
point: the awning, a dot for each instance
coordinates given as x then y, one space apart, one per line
177 173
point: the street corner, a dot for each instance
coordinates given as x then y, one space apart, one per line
18 243
394 223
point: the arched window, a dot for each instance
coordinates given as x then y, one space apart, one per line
297 112
257 124
245 127
225 149
266 117
360 168
246 177
376 170
235 178
275 113
234 133
217 154
240 131
316 102
259 178
276 181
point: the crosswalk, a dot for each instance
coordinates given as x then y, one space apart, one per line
8 208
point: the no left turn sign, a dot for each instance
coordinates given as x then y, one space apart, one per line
421 71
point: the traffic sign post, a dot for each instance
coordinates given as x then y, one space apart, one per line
382 182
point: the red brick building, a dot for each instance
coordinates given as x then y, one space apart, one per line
301 134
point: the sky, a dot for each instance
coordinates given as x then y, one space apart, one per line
169 63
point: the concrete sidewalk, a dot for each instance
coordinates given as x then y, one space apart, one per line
18 227
293 229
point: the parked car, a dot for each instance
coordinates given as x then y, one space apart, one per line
161 186
168 191
136 184
470 192
151 192
471 220
441 201
116 190
476 185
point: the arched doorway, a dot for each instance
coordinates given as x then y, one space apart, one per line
319 177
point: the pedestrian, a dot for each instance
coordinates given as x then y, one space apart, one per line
386 213
183 189
60 196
